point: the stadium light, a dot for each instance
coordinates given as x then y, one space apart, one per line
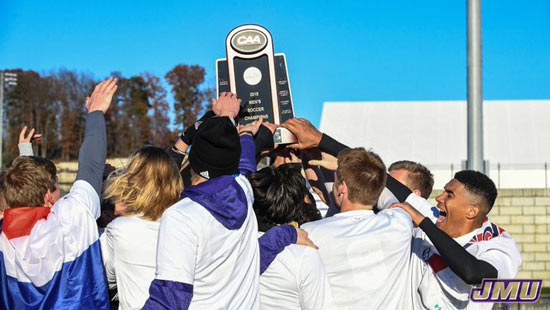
6 79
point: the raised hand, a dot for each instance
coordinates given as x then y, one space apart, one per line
272 127
327 161
292 158
31 136
308 136
251 127
227 105
101 98
216 107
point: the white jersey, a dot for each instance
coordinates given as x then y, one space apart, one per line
386 199
432 285
223 265
365 255
129 250
296 279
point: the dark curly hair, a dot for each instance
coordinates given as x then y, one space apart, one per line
281 196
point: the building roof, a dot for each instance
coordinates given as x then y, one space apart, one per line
516 133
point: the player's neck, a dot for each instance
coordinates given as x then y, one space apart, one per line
353 206
465 228
197 181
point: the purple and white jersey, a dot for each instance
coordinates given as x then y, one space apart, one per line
209 240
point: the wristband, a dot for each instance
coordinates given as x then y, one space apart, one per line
176 150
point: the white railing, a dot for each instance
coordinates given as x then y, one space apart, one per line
504 175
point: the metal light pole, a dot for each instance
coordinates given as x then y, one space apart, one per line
475 94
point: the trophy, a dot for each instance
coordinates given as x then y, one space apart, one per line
258 77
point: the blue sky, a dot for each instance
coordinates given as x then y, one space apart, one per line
336 51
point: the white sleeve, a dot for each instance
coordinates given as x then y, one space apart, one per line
398 214
177 246
423 206
386 199
75 214
315 292
108 253
87 197
25 149
503 254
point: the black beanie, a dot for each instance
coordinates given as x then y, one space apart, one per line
216 148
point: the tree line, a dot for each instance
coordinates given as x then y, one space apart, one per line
53 104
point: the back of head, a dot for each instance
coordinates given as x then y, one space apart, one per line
364 173
3 204
216 148
418 177
27 179
149 185
281 196
479 185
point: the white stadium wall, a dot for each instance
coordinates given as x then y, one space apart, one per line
516 136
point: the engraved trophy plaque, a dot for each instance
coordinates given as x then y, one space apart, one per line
258 77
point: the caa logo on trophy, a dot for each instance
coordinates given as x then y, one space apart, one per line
258 77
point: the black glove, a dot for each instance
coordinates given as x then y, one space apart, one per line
263 140
189 134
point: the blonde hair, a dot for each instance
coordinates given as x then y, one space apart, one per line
149 185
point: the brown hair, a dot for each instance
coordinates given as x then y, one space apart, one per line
364 174
3 204
27 179
149 185
418 176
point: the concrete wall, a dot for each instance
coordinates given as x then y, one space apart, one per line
525 214
66 172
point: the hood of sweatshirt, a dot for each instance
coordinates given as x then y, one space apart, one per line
223 197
